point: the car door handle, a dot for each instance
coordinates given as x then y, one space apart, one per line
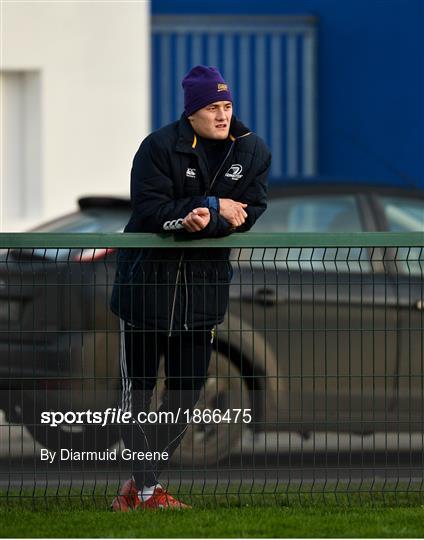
266 296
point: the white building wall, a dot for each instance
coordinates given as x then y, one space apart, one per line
91 61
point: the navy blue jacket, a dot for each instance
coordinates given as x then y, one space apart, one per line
169 289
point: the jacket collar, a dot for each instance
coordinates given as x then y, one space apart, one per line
187 139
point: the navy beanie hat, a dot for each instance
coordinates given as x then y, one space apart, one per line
203 85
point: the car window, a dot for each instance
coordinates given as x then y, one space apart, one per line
87 222
316 213
93 221
404 214
73 224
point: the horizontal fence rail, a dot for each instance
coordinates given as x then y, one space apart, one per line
257 367
254 240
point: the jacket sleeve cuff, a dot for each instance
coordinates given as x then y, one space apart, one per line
212 202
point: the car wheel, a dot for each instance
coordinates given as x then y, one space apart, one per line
210 442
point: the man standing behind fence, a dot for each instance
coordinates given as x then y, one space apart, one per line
204 176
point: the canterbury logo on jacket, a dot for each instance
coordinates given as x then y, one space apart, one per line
168 289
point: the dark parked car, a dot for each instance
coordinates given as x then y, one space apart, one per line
323 339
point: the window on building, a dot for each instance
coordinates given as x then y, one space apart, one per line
20 186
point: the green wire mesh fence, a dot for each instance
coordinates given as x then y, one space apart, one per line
311 386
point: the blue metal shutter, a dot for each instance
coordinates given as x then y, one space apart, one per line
269 63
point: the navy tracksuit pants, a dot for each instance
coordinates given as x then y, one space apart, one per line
186 360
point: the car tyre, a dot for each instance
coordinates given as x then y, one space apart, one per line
208 444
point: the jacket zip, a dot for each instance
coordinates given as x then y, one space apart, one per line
220 167
182 256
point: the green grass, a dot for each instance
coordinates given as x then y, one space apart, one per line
220 522
389 515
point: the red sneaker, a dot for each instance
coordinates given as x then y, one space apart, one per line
127 499
162 499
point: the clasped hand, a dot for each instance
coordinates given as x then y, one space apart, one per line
197 219
233 211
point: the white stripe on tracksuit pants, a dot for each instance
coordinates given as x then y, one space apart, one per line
186 361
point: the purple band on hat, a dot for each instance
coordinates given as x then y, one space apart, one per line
204 85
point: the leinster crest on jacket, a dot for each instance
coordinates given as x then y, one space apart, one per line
234 172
